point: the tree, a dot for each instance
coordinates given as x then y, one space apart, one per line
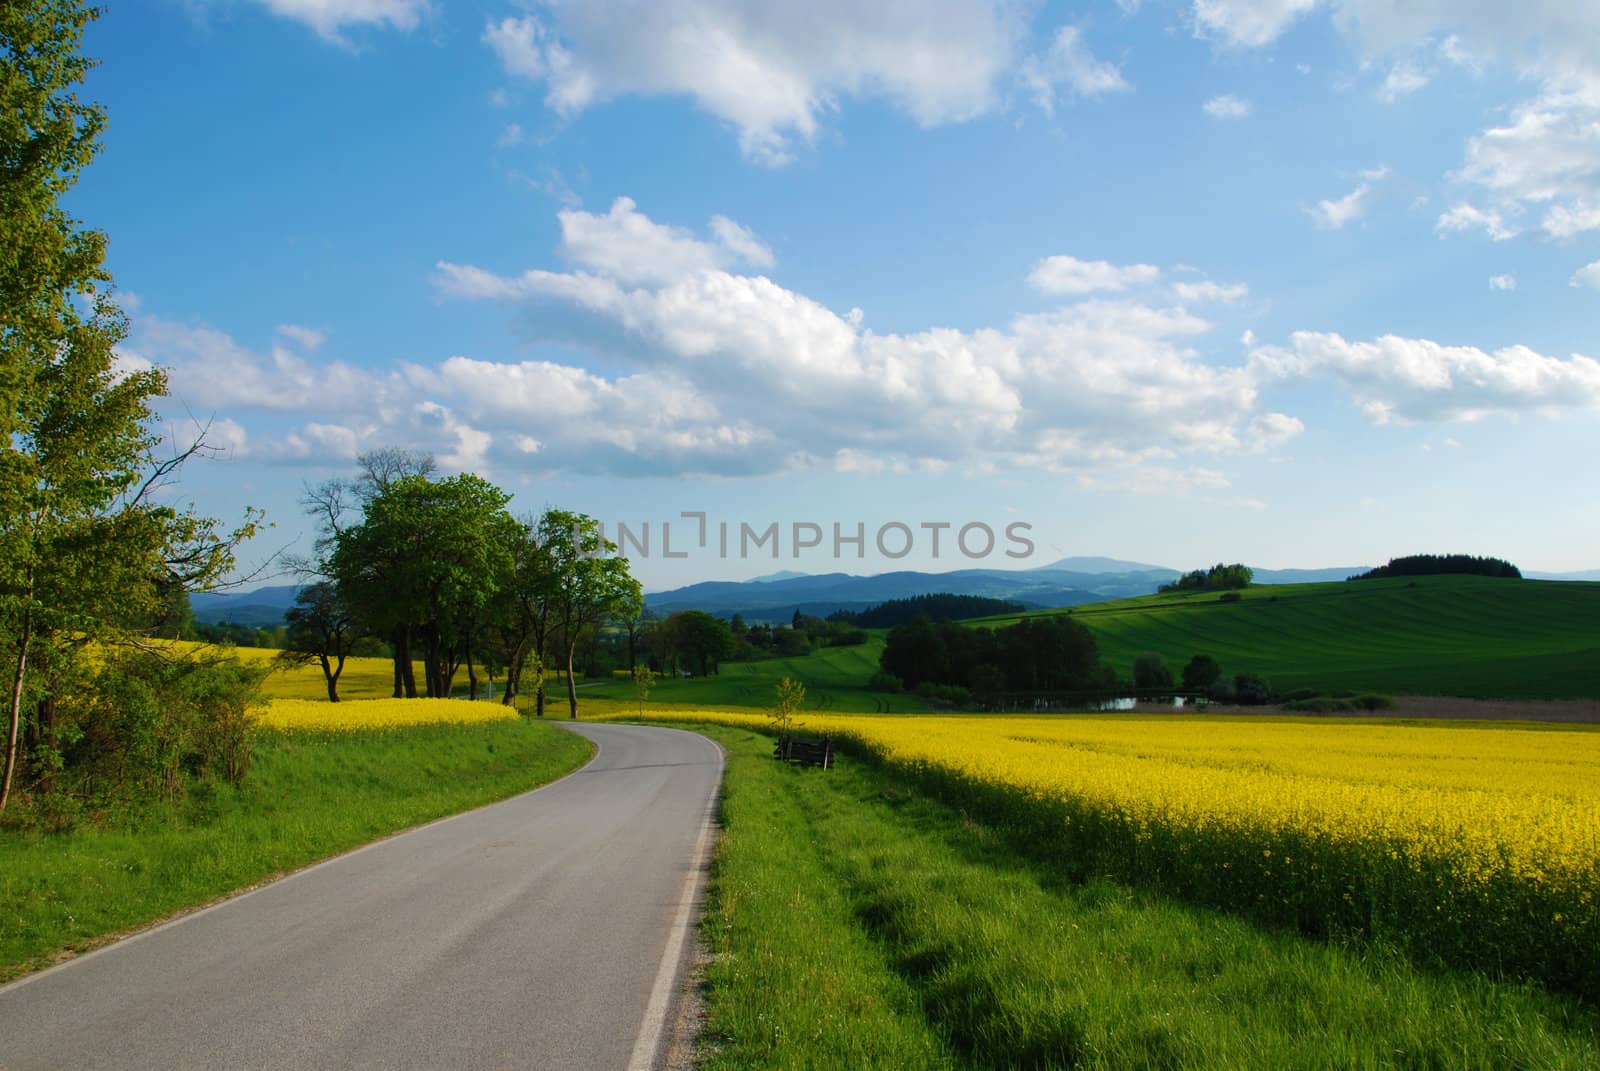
520 618
1150 671
644 679
322 626
703 639
790 694
87 552
1200 673
425 561
590 584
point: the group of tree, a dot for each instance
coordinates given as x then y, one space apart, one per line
1217 578
440 571
1440 564
1037 655
939 606
1202 675
94 557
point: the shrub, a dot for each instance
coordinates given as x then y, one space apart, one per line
1201 673
1150 671
1373 702
1251 690
1229 596
1300 694
884 681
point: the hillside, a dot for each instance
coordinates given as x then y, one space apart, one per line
1457 635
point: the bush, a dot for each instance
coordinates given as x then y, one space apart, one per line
1201 673
1229 596
1150 671
1373 702
1300 694
1251 690
884 681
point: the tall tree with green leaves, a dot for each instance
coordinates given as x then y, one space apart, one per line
592 585
88 554
427 559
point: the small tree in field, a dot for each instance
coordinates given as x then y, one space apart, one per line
644 679
791 693
1150 671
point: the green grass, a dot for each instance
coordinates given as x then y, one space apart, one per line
855 922
1446 635
835 679
309 796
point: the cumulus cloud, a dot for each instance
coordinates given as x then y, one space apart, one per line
309 339
1206 290
1502 282
1466 217
710 370
1228 106
329 18
1069 63
1588 275
1412 379
1547 156
771 71
1069 275
1334 214
1403 79
629 247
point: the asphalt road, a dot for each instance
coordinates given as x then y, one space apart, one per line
543 932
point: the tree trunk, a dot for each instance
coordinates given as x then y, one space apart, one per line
401 653
329 677
472 676
16 701
572 683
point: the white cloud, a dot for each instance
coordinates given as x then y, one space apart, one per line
1465 217
1410 379
1228 106
1588 275
1547 155
1502 282
1069 275
626 245
742 243
329 17
512 135
1402 79
1332 215
1206 290
309 339
1068 62
770 70
1249 23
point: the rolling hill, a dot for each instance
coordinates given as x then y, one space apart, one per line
1438 635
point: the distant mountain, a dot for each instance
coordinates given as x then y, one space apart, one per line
777 600
261 608
1105 565
782 574
1584 574
1307 576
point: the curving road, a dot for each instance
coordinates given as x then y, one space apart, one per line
547 931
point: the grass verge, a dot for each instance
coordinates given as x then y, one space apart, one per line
855 922
309 796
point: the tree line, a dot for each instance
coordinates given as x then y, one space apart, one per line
1217 578
441 572
938 606
1037 654
1440 564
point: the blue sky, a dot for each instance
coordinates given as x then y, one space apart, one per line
1295 282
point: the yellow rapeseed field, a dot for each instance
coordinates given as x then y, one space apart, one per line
378 713
1479 844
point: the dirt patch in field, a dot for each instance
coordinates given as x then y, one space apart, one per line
1583 711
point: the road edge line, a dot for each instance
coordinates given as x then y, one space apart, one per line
648 1047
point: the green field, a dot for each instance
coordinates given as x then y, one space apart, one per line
835 679
1435 635
857 922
